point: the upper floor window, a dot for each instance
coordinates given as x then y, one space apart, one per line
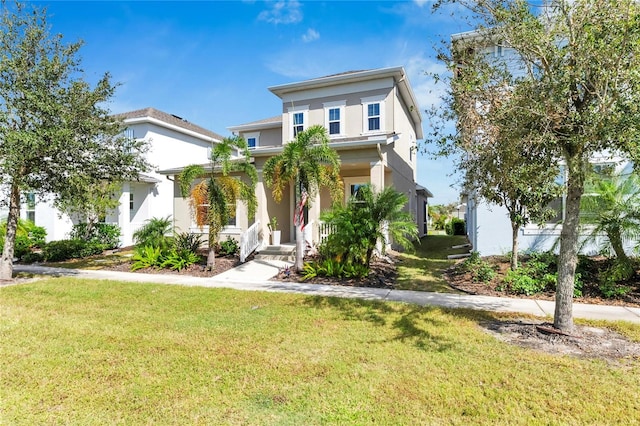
298 123
334 117
253 139
373 114
298 119
31 207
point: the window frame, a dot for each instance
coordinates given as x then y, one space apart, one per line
366 102
253 135
292 111
341 107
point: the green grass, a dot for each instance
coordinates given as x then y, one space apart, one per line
98 352
423 269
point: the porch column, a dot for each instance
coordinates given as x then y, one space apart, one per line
311 228
124 215
262 213
377 175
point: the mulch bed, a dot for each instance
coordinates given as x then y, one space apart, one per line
382 274
591 295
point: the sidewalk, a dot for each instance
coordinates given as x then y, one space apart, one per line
254 275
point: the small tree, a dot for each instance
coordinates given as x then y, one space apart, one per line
309 163
574 91
368 218
56 139
213 200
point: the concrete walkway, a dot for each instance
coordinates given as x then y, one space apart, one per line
255 275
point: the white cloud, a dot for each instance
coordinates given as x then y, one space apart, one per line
282 12
310 35
420 3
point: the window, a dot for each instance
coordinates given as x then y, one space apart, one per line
253 139
373 114
334 121
334 117
31 207
298 123
131 206
298 119
498 51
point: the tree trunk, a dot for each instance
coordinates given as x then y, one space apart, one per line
618 247
211 253
568 257
6 263
514 246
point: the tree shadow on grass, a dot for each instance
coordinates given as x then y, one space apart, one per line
426 327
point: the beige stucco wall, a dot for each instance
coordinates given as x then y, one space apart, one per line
266 137
354 117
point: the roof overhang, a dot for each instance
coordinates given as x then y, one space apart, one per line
420 188
160 123
255 126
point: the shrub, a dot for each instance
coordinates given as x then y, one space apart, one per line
455 227
155 233
106 234
520 281
334 268
179 259
146 257
187 241
57 251
32 257
229 247
28 236
611 278
481 270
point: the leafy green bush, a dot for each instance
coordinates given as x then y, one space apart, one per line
156 232
481 270
32 257
187 241
57 251
106 234
455 227
334 268
520 281
147 257
611 279
179 259
28 236
229 247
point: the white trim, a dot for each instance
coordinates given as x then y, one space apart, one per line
341 106
304 109
380 99
161 123
255 135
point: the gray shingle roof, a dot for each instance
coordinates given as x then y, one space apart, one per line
169 119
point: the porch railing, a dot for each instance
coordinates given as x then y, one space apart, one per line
249 241
324 230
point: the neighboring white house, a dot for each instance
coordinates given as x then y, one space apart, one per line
173 142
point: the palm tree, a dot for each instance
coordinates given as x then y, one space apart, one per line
612 207
213 199
370 217
309 163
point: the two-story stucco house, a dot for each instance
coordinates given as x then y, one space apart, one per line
374 123
173 142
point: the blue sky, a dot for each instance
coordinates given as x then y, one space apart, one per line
211 62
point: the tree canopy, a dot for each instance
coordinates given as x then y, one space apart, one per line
573 90
57 138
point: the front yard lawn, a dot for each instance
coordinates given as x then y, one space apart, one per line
99 352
